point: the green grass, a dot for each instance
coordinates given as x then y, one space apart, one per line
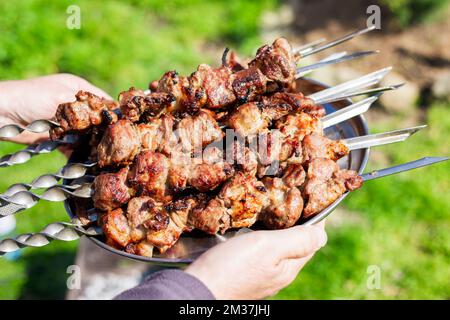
403 220
402 227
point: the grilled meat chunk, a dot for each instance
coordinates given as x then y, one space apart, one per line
276 61
196 132
285 199
217 83
119 145
148 175
318 146
252 117
189 94
210 217
248 84
295 102
111 190
135 103
116 228
143 248
243 196
325 183
88 110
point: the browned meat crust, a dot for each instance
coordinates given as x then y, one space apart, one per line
88 110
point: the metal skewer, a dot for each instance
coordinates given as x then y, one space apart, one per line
37 126
26 154
426 161
349 88
302 71
378 139
63 231
304 52
422 162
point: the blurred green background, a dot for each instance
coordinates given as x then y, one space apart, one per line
399 224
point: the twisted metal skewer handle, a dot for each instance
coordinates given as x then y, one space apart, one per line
55 193
69 171
26 154
37 126
63 231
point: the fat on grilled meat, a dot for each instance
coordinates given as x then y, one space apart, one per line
86 111
325 183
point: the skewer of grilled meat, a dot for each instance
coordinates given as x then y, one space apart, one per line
215 88
156 175
123 140
278 202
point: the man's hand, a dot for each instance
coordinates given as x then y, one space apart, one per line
23 101
257 265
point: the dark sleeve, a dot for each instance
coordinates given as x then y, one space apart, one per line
170 284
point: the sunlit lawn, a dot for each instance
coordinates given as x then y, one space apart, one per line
399 224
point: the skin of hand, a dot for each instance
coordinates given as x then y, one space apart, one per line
258 264
23 101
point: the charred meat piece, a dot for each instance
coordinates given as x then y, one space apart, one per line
164 238
88 110
204 174
276 61
196 132
252 117
234 62
115 227
210 216
243 197
143 248
119 145
135 103
217 83
111 190
285 199
189 94
318 146
148 175
325 183
141 209
296 102
248 84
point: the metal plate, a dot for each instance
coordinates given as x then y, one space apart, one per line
191 245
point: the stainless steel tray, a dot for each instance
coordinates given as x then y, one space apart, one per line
191 245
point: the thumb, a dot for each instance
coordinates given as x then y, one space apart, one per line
297 242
